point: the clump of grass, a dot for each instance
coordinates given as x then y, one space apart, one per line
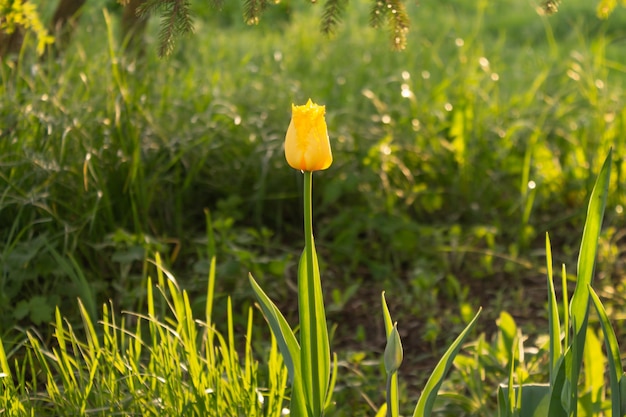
161 362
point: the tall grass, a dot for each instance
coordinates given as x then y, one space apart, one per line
161 361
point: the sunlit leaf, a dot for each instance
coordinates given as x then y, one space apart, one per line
553 315
613 355
586 263
428 396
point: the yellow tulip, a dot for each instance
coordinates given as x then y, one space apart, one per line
307 146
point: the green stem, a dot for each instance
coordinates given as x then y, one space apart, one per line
309 303
389 399
308 226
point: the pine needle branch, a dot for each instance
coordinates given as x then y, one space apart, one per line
399 23
151 7
397 17
217 4
377 13
550 6
331 17
252 10
176 21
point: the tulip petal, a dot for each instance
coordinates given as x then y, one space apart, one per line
307 146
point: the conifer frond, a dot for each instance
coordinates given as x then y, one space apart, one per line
217 4
175 21
550 6
333 9
377 13
252 10
399 23
397 17
150 7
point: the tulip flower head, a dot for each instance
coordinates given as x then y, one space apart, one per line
307 146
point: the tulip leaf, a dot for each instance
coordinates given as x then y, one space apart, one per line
613 355
386 315
586 263
503 404
287 342
315 347
534 402
556 407
288 346
553 315
427 399
565 296
510 388
622 390
589 244
333 381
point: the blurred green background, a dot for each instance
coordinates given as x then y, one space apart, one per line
452 159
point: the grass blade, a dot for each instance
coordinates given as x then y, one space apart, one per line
71 268
5 374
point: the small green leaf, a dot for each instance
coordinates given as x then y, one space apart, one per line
40 309
508 332
21 310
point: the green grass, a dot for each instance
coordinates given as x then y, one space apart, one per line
159 362
105 161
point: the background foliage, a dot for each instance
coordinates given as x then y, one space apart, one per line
452 159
